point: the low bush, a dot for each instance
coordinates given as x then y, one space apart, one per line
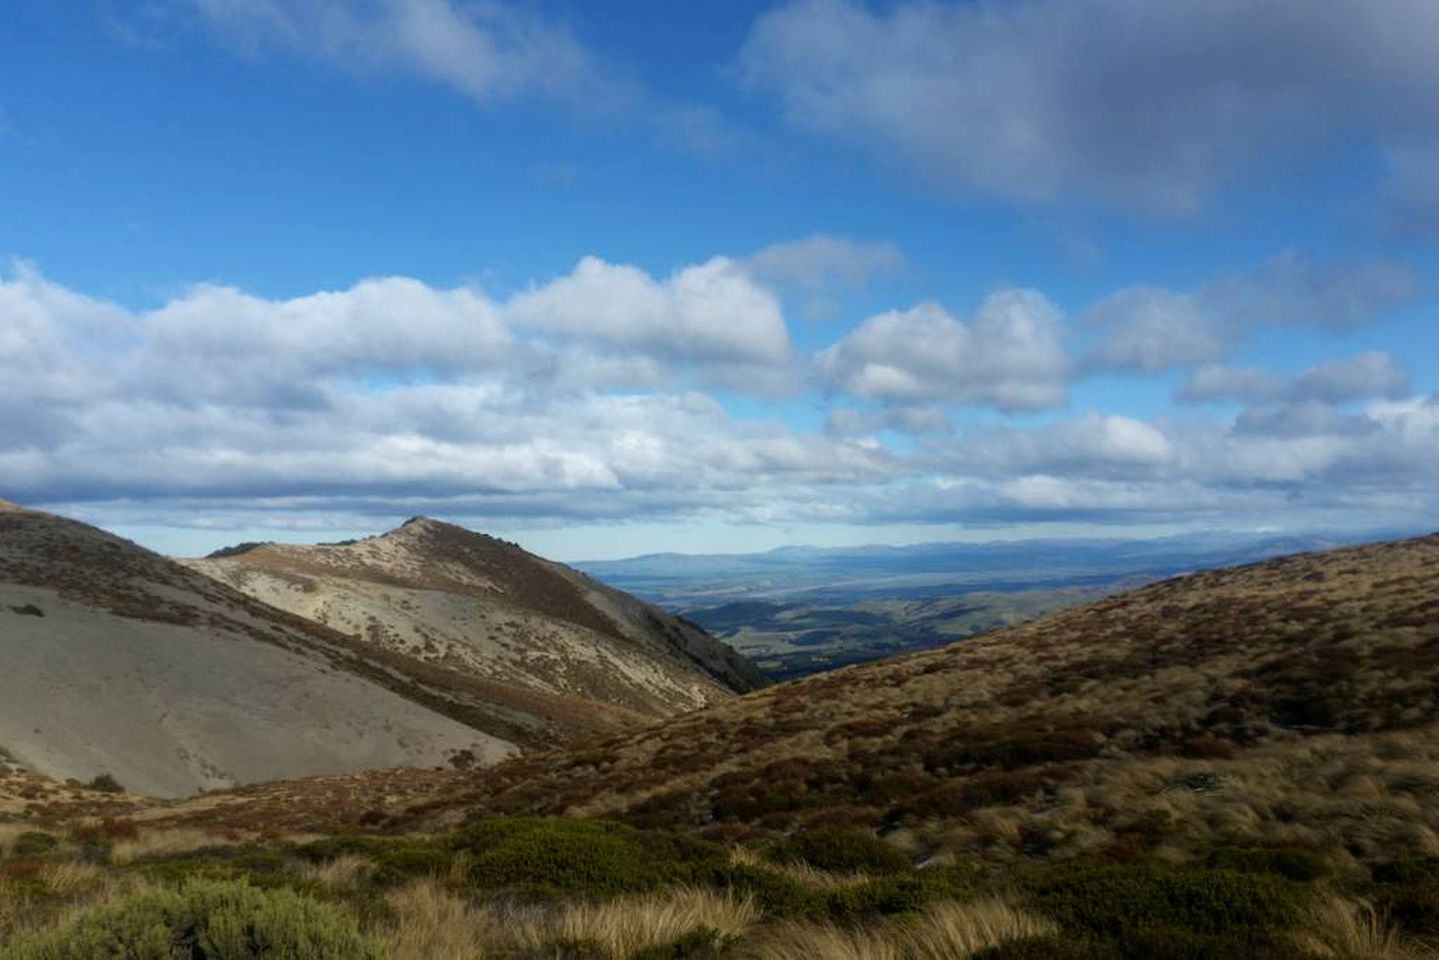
552 857
898 894
203 920
840 850
1149 945
106 783
1122 900
32 843
1300 865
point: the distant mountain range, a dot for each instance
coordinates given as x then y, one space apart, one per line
799 610
931 570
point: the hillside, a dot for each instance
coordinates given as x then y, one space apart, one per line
1287 702
488 609
116 660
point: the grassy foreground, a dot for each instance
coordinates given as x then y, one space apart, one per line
556 888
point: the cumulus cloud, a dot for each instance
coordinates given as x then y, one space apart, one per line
487 51
1149 104
712 310
820 269
1148 329
1217 383
393 391
1010 356
392 396
1368 375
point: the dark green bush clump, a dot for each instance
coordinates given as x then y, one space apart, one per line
106 783
1123 900
897 894
32 843
550 857
1300 865
1150 945
840 850
204 920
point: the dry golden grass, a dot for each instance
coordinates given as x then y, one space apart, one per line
165 841
432 922
341 874
812 877
624 927
1346 929
961 929
946 931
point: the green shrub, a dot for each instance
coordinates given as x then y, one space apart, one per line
1300 865
1149 945
550 857
776 894
701 944
33 843
1414 906
1407 870
840 850
203 920
106 783
1120 900
252 864
898 893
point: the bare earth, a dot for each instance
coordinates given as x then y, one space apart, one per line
119 661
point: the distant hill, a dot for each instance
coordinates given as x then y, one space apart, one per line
117 660
927 571
481 606
795 611
1290 702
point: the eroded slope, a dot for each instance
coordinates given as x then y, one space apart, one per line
114 659
484 607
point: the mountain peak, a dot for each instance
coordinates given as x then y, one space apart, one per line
7 507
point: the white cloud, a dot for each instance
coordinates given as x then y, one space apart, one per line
1367 375
820 269
487 51
394 397
1216 382
1010 356
1152 104
1149 329
1370 374
711 311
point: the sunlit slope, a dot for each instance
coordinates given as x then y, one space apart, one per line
485 607
1292 700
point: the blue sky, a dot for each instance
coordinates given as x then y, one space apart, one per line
619 278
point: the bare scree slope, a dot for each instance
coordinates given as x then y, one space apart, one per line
443 646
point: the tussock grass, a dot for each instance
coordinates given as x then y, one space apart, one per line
433 922
1344 929
166 842
800 872
945 931
342 874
